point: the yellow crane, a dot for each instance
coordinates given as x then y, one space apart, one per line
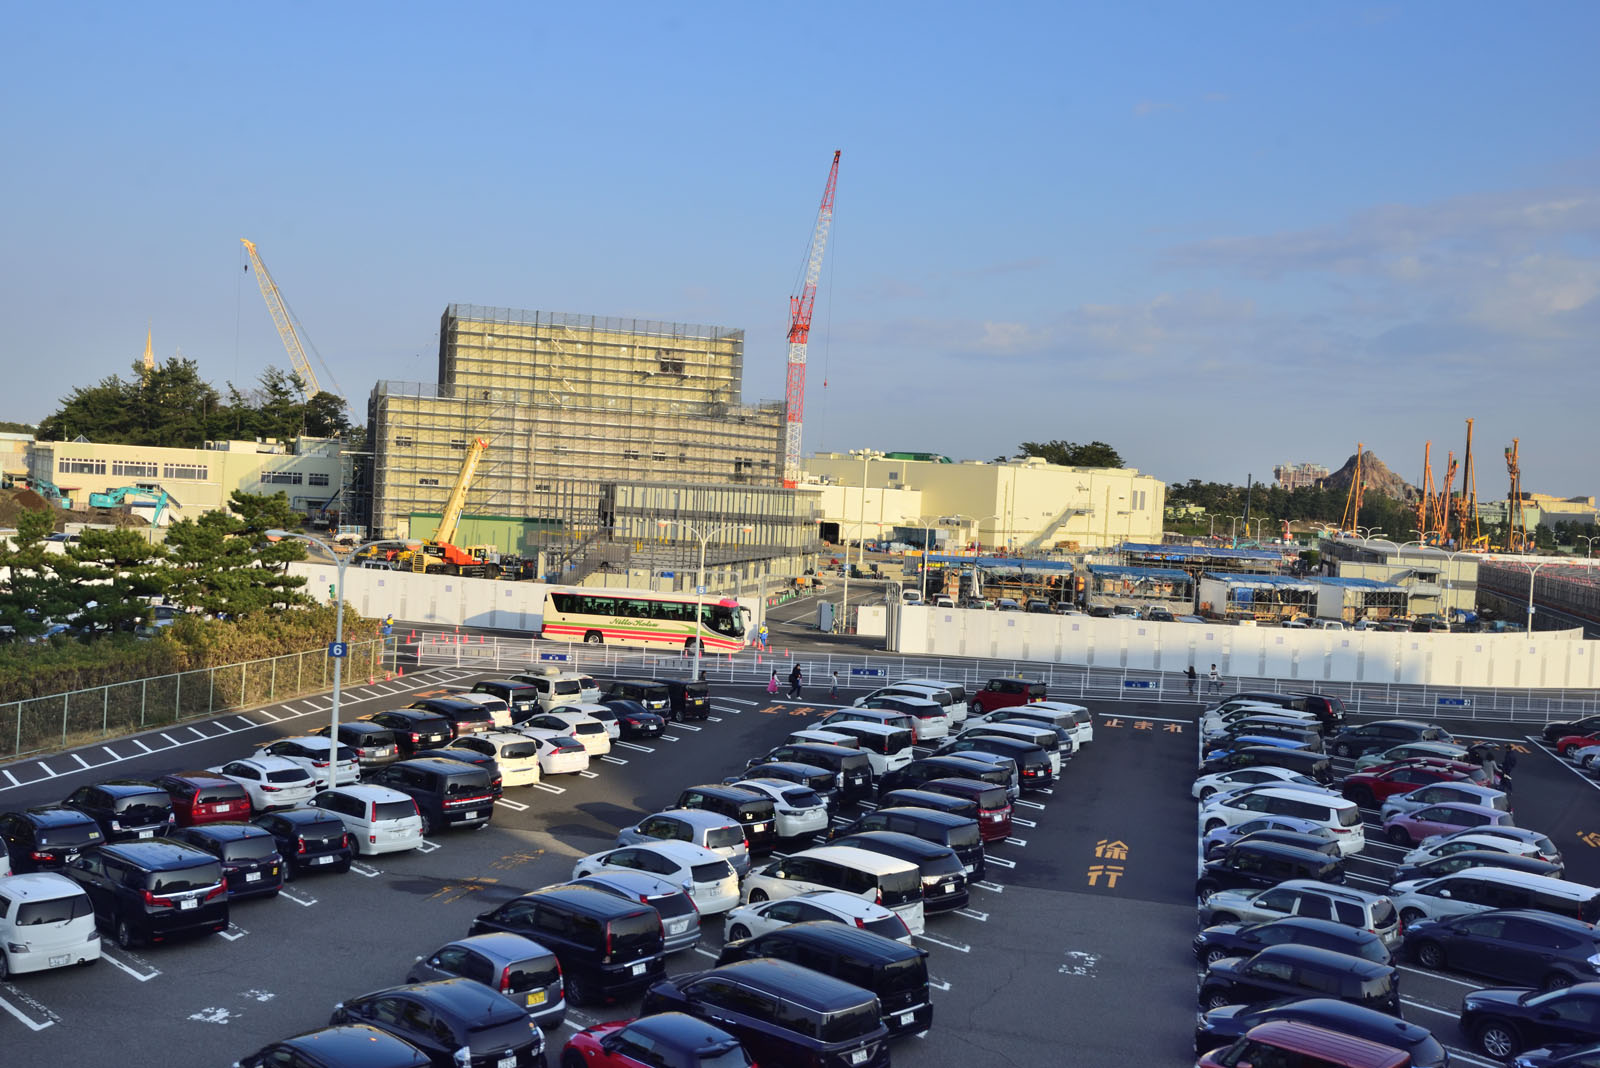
440 551
284 321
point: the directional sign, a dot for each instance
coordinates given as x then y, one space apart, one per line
1135 684
871 673
559 658
1455 702
700 591
338 650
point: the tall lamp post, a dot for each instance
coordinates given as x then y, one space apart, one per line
867 456
1588 543
337 649
1532 572
927 536
700 577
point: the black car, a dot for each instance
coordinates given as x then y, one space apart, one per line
1300 971
824 783
651 693
1384 734
375 745
1221 1026
783 1013
689 700
634 720
1554 732
465 755
1521 946
447 1015
960 834
1505 1020
1564 1056
944 877
126 809
1474 858
609 948
1245 939
895 972
464 717
1326 846
448 792
1033 763
911 798
150 891
921 771
413 728
352 1046
521 697
1251 865
251 865
308 839
48 837
851 767
752 809
1312 765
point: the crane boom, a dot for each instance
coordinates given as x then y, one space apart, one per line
283 321
800 308
451 518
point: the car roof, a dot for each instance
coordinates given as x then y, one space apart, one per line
301 815
811 771
510 684
467 999
1497 813
406 713
446 704
198 778
503 945
361 726
267 762
590 901
770 786
1326 958
915 798
1404 1033
698 817
125 787
894 843
56 816
960 782
356 1044
1583 930
39 886
1356 1052
846 903
846 938
933 815
640 682
791 982
631 882
226 832
856 858
1350 893
370 792
1284 850
442 765
1327 927
158 854
679 1030
736 793
682 852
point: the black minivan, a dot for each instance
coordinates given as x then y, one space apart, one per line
520 697
852 768
1291 971
784 1014
960 834
690 700
653 694
125 809
894 971
609 948
1311 765
754 810
1250 865
926 769
150 891
1033 763
448 793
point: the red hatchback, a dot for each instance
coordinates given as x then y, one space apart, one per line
205 797
673 1038
1371 788
1576 741
994 808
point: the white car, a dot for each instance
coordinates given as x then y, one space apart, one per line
1081 725
587 730
1440 750
798 809
1223 782
1463 841
271 781
378 819
1338 815
883 880
559 754
747 921
709 879
604 713
515 754
1215 721
46 921
1586 757
499 711
311 753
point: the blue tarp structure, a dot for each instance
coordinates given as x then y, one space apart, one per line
1193 553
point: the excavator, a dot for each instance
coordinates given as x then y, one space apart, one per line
115 498
439 553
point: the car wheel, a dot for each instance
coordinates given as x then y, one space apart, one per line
1204 889
5 967
594 637
288 871
1411 916
1215 954
427 825
1430 955
1215 1000
1398 836
1212 825
1207 792
757 896
572 1059
1553 981
1221 917
124 935
1497 1038
1363 797
735 933
1343 749
578 991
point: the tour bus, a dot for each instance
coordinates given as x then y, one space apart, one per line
638 617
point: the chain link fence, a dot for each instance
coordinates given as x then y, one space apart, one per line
64 720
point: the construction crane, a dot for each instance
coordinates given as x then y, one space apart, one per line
1352 499
1517 540
149 355
1441 500
284 320
800 332
440 552
1425 499
1471 535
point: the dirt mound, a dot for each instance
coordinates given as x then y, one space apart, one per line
13 502
1374 475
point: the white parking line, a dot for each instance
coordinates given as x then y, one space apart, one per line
297 900
957 946
141 745
973 914
269 715
704 952
515 806
738 700
170 738
1045 790
686 727
234 931
1000 861
202 735
46 769
365 870
547 788
631 745
1027 804
1016 841
1429 1008
937 984
1439 975
247 721
669 738
10 776
115 963
29 1024
616 760
426 846
80 760
713 719
993 888
587 775
1019 821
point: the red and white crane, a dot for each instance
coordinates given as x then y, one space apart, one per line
800 330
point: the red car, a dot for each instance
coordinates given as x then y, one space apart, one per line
200 797
1003 693
1576 741
673 1038
1372 787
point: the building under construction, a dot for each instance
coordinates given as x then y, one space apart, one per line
574 407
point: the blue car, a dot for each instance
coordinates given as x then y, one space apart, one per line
1243 740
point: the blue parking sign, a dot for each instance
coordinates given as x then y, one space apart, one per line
338 650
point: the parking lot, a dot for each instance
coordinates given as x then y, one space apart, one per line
1078 940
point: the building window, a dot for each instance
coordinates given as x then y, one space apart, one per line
315 479
281 478
427 482
630 454
659 456
193 472
129 469
457 443
402 441
82 467
541 487
683 457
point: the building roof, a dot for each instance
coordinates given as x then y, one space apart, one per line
1163 574
1282 582
1199 552
1359 584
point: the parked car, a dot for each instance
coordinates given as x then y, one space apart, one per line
799 810
1384 734
559 754
890 882
1480 889
46 921
680 917
667 1038
1334 813
754 811
202 797
1227 1024
376 818
1566 1055
927 717
1506 1020
308 839
272 782
353 1046
708 878
150 891
1245 939
1250 865
834 906
447 1015
960 834
1033 763
1304 897
1373 787
887 748
688 699
518 967
1559 729
1445 793
852 768
498 708
782 1013
1462 859
463 717
634 721
820 781
1218 839
1518 840
1411 828
1326 846
47 837
723 835
1228 781
251 864
1288 971
653 694
448 793
1409 751
956 806
944 878
125 809
413 728
375 745
1311 765
1292 1042
515 755
311 753
922 772
1521 947
994 806
1004 692
579 726
521 697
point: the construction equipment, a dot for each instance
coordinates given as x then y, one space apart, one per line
283 318
1468 535
149 355
800 331
44 488
439 553
1425 504
1517 540
1352 500
116 498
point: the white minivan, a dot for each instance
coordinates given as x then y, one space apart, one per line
1338 815
955 708
888 881
378 819
888 748
46 921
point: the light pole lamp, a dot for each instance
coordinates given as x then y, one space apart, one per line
927 536
700 576
1532 572
337 650
1588 543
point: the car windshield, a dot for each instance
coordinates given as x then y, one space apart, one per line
394 810
723 837
729 1055
258 847
710 872
74 834
590 728
1382 912
519 751
143 806
460 785
900 887
964 837
755 813
176 882
632 932
567 687
888 927
287 775
532 975
218 795
850 1023
53 910
904 975
1349 817
670 905
800 797
992 799
499 1036
948 864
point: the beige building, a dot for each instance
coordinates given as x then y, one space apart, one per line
194 480
1022 506
14 454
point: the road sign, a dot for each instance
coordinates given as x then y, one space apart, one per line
1135 684
700 591
1455 702
559 658
870 673
338 650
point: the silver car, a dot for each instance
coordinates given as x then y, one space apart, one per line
1408 750
1442 793
680 919
518 967
1305 897
708 830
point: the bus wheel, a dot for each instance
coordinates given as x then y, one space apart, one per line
688 647
593 638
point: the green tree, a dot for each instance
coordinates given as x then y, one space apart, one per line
119 572
39 588
8 427
326 417
223 562
1071 454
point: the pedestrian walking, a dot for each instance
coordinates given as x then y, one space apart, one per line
795 678
1215 679
761 638
1190 676
772 683
833 692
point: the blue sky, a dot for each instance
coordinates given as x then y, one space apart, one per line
1215 236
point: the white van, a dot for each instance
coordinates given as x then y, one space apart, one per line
956 707
1044 737
888 881
378 819
1341 817
888 748
46 921
1081 722
1477 889
554 688
514 753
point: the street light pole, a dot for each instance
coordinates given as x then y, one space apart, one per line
700 577
1532 572
867 456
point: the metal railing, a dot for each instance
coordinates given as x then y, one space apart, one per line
77 717
861 671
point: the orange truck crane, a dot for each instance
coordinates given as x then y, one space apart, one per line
439 553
